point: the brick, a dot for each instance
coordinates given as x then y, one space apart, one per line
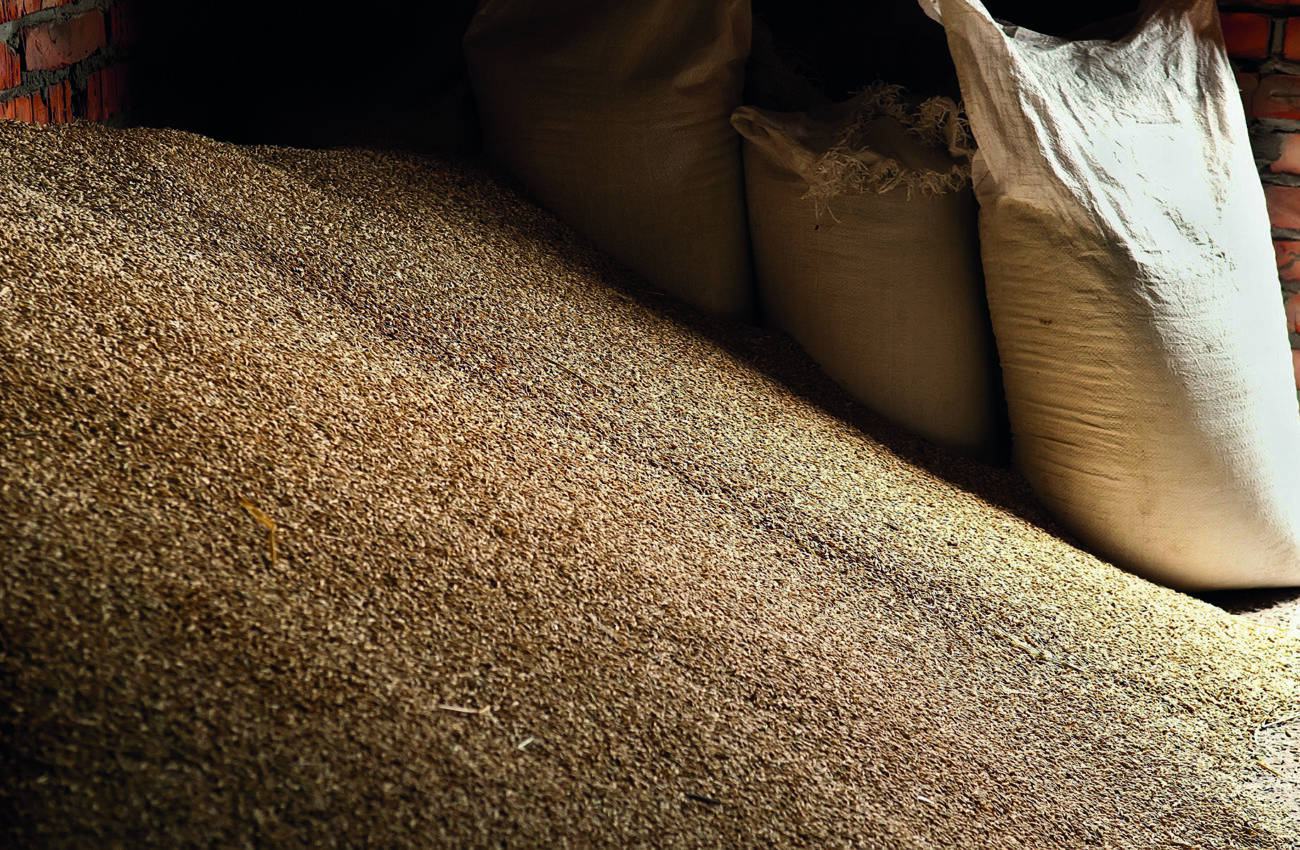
121 24
60 44
10 71
123 75
59 99
40 110
1293 312
17 8
101 96
1288 161
12 10
1278 96
1283 206
1247 35
94 98
29 6
108 92
1291 40
1288 261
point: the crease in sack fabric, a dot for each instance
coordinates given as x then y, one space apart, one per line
1133 292
615 115
865 249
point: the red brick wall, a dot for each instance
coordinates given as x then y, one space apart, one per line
65 59
1264 42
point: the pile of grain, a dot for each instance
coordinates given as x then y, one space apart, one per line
348 498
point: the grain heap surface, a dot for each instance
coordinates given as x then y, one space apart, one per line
348 498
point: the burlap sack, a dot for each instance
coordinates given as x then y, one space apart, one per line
865 249
616 116
1133 292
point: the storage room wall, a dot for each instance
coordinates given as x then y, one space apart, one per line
279 71
325 72
1264 43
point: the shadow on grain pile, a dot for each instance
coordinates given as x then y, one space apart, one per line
348 498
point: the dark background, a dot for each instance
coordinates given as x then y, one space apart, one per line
321 73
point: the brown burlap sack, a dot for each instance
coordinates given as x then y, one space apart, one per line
863 225
615 116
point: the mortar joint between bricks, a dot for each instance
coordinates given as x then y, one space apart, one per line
1275 65
10 31
1271 179
1274 125
78 75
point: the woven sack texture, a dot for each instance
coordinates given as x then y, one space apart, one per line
1133 293
615 115
865 248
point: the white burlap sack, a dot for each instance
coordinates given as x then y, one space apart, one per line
616 116
865 250
1133 292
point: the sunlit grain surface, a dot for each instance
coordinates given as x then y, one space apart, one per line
348 498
